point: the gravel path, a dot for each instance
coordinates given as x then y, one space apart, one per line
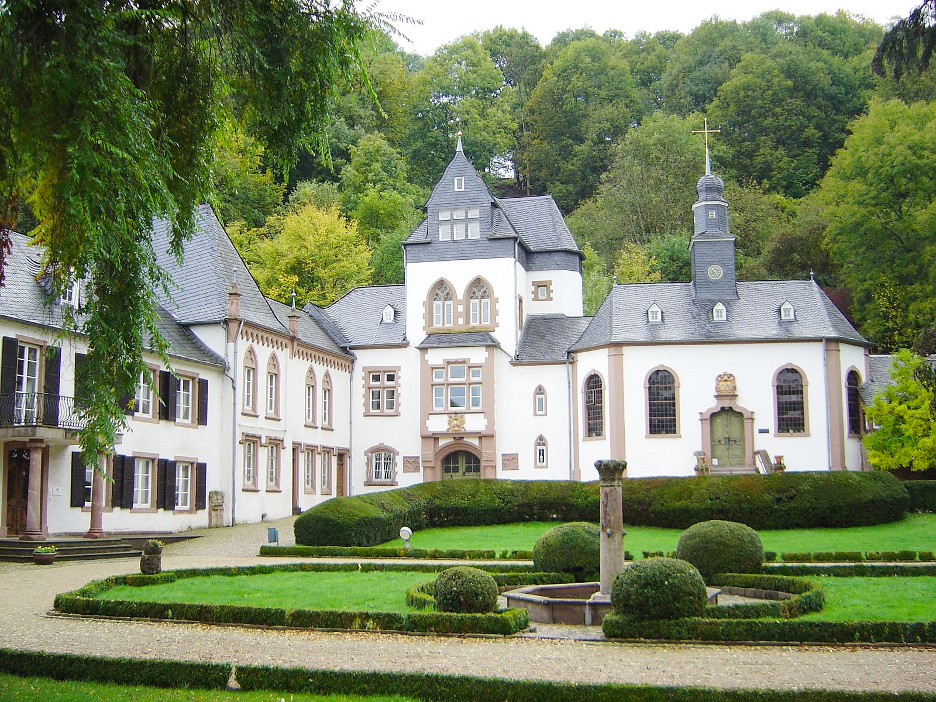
23 625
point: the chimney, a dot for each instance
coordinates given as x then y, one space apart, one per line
234 302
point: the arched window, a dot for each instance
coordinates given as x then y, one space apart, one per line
661 403
791 404
540 453
539 400
853 399
326 402
381 465
443 306
272 387
250 382
310 397
479 304
594 406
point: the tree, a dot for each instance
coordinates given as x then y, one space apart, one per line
245 190
596 282
316 252
904 415
909 43
879 197
107 116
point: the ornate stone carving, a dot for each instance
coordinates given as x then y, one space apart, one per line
410 464
509 461
456 422
427 457
487 456
725 385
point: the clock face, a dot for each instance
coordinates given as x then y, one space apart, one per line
715 272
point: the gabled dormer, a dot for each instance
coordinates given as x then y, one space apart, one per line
459 208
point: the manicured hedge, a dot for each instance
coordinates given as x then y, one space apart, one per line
848 570
922 495
777 501
465 554
431 687
421 597
85 601
808 597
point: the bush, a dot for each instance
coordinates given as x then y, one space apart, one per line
721 547
569 548
659 588
788 500
465 590
922 495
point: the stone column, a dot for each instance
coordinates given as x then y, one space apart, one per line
611 473
96 530
34 495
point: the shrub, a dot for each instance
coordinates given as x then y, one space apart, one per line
778 501
922 495
659 588
464 589
569 548
721 547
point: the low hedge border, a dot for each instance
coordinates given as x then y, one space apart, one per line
808 596
922 495
431 687
421 597
856 556
84 601
465 554
847 570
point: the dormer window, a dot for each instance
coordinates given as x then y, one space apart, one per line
459 183
654 314
719 313
445 225
787 313
70 294
388 314
459 224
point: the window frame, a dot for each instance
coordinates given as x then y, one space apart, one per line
139 490
325 471
249 395
308 469
652 402
385 391
853 413
150 415
389 459
328 410
181 380
719 312
783 416
539 408
190 503
274 459
272 388
309 399
468 386
595 419
540 453
249 480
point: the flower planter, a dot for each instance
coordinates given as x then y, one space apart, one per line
43 558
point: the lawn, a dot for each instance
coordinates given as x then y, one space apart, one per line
916 532
877 599
16 689
355 591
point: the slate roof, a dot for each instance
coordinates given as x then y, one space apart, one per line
457 339
24 298
538 222
754 316
879 377
309 331
547 338
358 314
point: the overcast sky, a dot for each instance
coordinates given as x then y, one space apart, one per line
446 20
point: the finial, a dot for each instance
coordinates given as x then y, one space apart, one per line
458 146
293 305
706 131
614 279
812 275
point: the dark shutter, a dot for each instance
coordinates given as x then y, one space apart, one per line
161 483
201 486
203 401
170 484
8 379
126 403
171 403
79 365
127 486
165 385
117 488
78 483
53 363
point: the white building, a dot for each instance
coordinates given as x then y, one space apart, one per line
480 365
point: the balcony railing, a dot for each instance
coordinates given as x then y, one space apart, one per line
37 409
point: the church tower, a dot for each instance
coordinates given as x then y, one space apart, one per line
712 247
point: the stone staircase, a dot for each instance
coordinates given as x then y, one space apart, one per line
74 549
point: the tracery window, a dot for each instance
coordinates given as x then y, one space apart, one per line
443 306
594 406
853 400
479 304
661 402
791 406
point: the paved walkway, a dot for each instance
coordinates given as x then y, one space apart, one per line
29 590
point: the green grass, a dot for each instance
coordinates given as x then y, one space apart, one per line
16 689
356 591
877 599
917 532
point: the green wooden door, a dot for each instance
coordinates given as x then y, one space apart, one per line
461 464
727 438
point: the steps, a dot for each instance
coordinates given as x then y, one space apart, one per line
69 549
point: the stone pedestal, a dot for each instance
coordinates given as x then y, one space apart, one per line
216 508
611 474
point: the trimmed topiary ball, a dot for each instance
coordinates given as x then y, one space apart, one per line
721 547
569 548
659 588
465 589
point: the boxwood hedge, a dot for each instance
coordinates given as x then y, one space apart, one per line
787 500
922 495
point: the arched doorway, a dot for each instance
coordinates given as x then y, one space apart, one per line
461 464
727 438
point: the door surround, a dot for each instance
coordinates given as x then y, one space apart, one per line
726 397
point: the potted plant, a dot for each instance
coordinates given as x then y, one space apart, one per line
153 547
44 555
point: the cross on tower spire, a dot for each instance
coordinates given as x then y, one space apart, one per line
706 131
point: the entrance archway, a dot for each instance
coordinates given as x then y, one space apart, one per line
727 438
461 464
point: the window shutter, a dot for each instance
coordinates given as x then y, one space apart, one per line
79 364
173 390
117 488
53 364
203 401
127 486
77 480
201 485
161 483
170 485
8 369
165 384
